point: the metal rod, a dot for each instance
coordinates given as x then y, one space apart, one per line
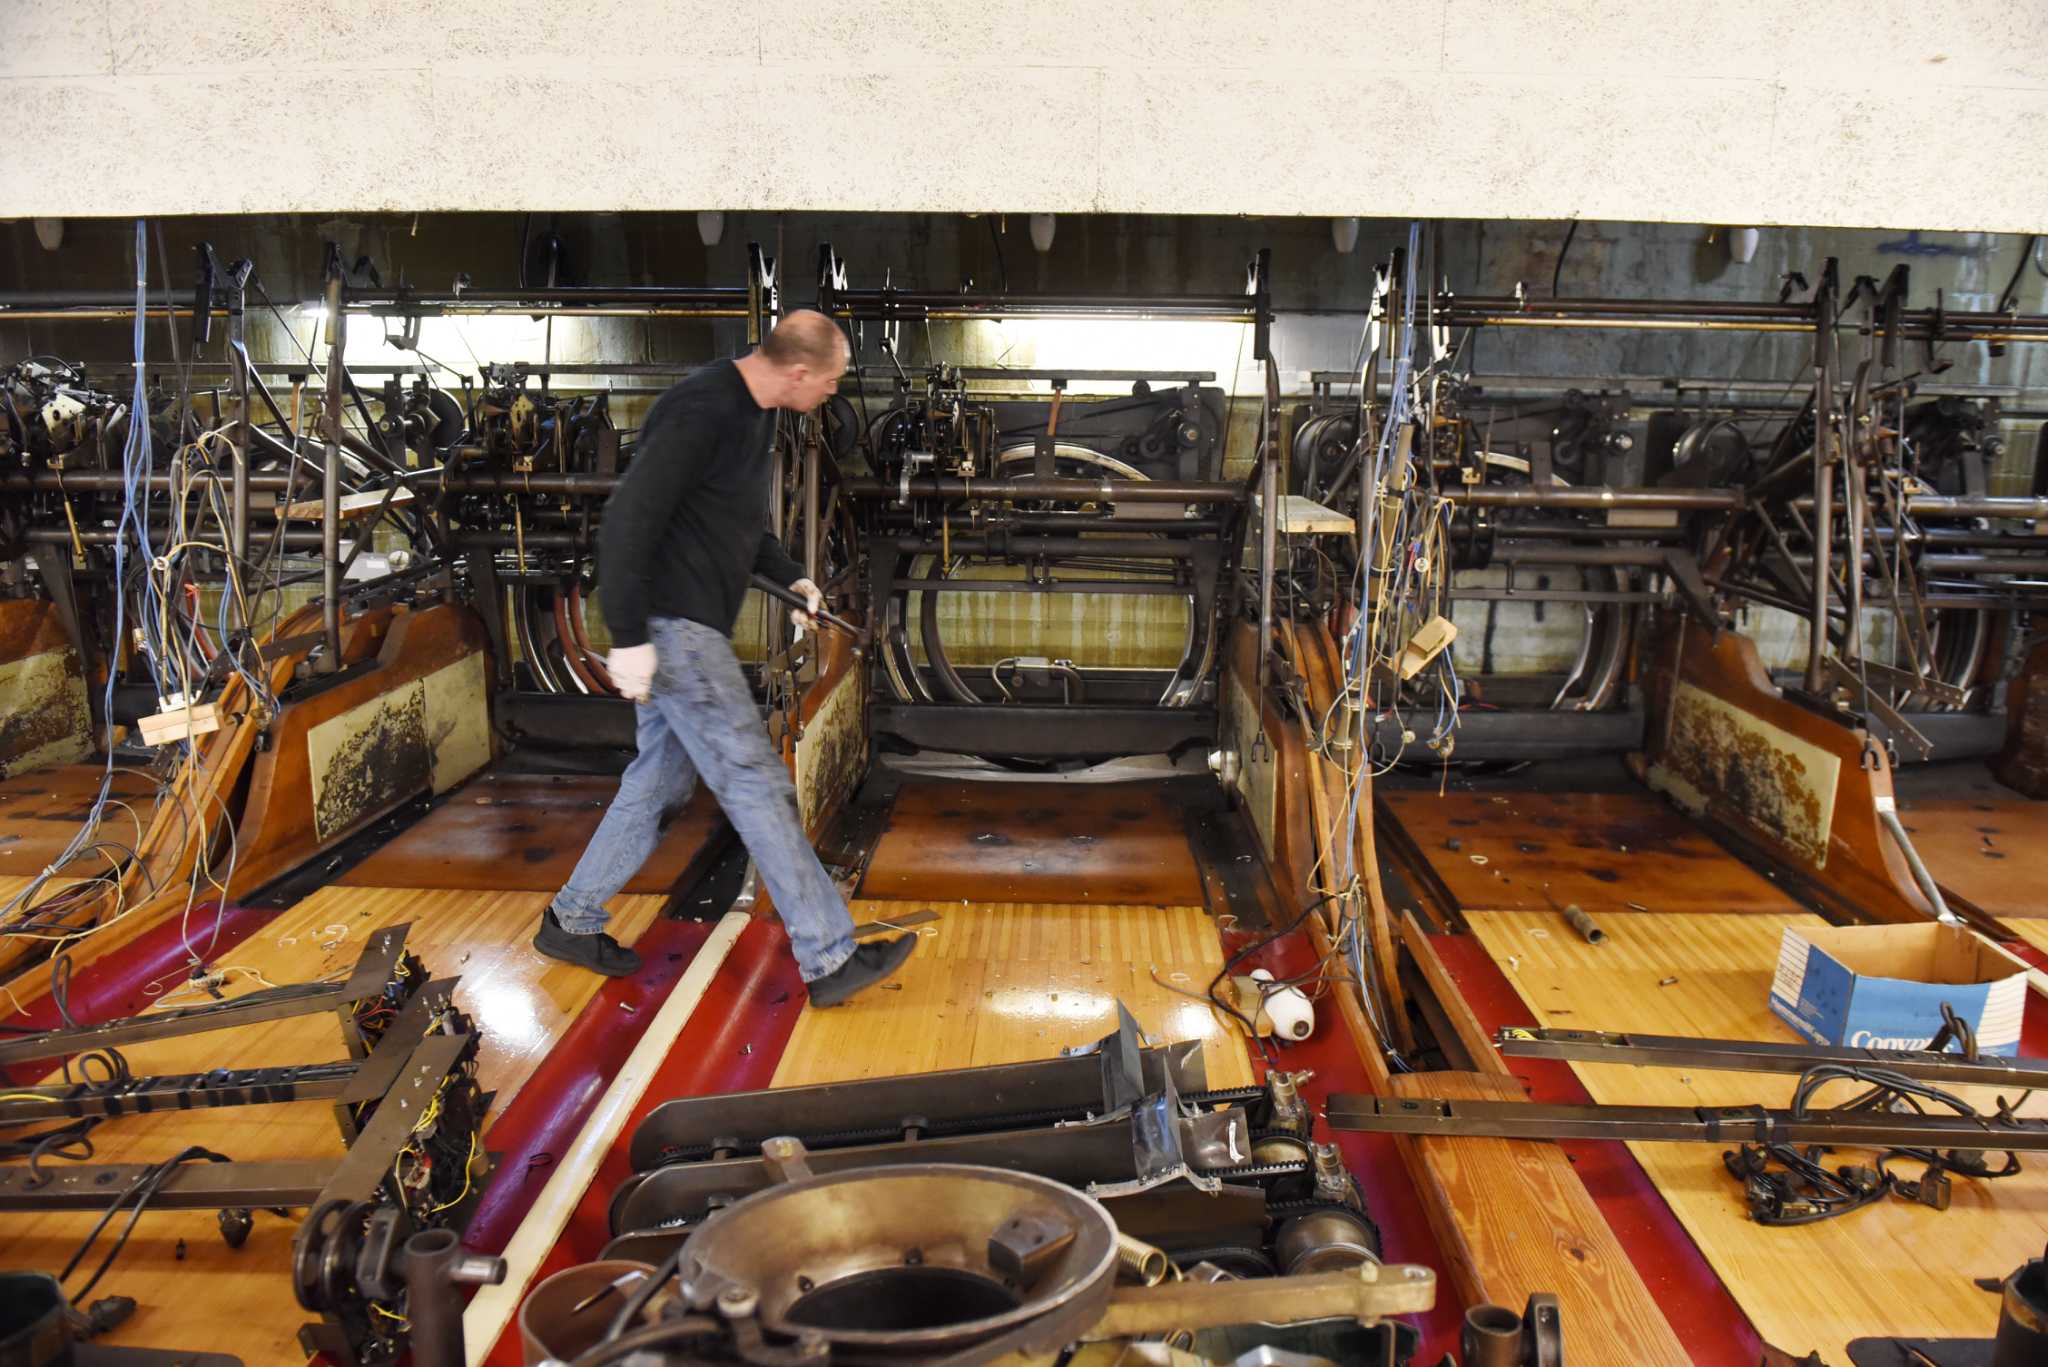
330 493
1269 536
813 456
1029 545
110 481
1682 1124
1105 586
238 527
1758 1056
1015 490
1554 496
1888 813
373 968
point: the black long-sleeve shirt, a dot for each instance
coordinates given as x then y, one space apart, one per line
688 522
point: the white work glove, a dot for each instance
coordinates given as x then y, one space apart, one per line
802 616
632 670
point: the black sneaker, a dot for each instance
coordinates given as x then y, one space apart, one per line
599 953
870 963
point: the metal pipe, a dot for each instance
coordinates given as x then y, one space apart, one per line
330 492
1013 490
238 527
1679 500
295 538
1934 505
1888 813
1566 531
1137 587
813 456
1491 1337
1269 536
1133 547
434 1264
1716 315
1582 555
109 481
1089 522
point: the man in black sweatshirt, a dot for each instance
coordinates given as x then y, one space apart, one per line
686 527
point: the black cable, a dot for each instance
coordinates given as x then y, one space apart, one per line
1251 1028
1807 1191
142 1189
1002 268
1558 272
2011 290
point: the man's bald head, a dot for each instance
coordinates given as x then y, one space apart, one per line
806 338
798 364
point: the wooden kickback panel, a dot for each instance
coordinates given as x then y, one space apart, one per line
1889 1269
1006 983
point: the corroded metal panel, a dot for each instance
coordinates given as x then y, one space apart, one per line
1718 754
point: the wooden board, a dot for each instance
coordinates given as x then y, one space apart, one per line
1008 983
524 833
1507 1208
1023 842
1891 1269
1993 854
239 1301
1599 850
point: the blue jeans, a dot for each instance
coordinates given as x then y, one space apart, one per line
701 720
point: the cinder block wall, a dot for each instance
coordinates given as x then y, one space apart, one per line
1837 112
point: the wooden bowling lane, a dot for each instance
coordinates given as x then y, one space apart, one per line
1519 851
997 983
524 833
1115 843
1889 1269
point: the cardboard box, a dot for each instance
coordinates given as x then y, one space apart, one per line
1881 987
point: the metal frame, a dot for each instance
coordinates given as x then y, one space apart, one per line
376 963
1066 1087
1756 1056
348 1081
354 1176
1697 1124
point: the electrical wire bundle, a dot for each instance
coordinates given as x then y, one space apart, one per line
435 1171
1787 1184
